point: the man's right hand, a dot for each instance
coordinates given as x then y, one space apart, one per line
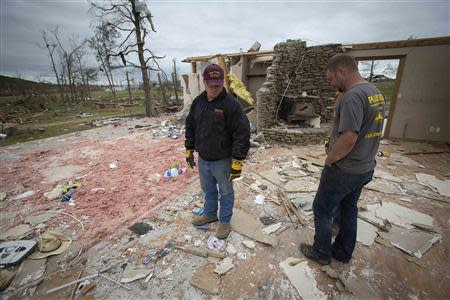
190 158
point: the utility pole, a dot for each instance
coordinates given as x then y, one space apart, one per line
174 78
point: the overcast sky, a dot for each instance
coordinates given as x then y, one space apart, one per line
190 28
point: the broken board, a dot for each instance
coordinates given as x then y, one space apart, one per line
248 226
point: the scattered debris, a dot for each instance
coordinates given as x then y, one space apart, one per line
131 274
140 228
6 277
198 211
200 251
23 195
55 193
329 271
413 242
441 186
272 228
366 233
215 244
246 225
359 288
249 244
205 280
2 196
166 273
12 252
16 233
302 278
41 217
224 266
259 199
51 243
296 261
267 220
399 215
113 165
230 249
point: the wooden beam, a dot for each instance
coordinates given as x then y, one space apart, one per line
223 65
444 40
398 80
236 54
194 67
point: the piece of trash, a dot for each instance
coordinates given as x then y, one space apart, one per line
166 250
216 244
230 249
71 203
242 256
295 261
249 244
166 273
224 266
171 173
267 220
130 275
151 256
12 252
259 199
97 189
140 228
198 211
113 165
384 154
68 196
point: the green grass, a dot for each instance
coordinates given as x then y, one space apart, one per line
387 89
61 119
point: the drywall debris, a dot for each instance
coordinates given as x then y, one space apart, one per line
401 216
366 233
360 289
2 196
413 242
29 270
249 244
302 278
230 249
205 280
16 233
55 193
166 273
300 186
40 217
248 226
272 228
386 176
383 187
441 186
224 266
131 274
23 195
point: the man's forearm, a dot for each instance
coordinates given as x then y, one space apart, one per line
342 147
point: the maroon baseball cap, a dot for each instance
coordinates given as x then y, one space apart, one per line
213 75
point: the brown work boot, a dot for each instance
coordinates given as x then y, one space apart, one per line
202 220
223 230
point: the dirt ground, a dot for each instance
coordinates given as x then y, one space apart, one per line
110 200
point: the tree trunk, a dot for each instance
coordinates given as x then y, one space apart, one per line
129 88
140 45
163 91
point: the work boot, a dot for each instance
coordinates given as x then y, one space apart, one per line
223 230
202 220
308 252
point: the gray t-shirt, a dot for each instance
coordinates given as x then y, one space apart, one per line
361 110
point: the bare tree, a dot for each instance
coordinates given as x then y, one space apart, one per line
103 42
369 66
130 17
50 45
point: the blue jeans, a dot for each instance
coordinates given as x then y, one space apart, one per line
214 179
338 190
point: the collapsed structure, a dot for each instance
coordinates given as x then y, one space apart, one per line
289 83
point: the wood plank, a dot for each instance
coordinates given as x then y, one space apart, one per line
444 40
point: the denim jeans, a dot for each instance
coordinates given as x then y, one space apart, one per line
214 179
338 191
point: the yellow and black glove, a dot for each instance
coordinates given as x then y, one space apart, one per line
236 169
190 158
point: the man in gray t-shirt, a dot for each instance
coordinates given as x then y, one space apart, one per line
354 141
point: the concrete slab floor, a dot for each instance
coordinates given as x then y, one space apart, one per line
129 197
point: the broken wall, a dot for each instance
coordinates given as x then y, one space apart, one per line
422 108
307 65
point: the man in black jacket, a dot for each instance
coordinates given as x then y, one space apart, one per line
218 129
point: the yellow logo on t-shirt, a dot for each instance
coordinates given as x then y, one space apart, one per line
379 117
375 100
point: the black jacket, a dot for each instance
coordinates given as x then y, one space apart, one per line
218 129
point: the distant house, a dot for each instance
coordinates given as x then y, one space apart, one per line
380 78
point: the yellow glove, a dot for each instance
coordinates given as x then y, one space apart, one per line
190 158
236 169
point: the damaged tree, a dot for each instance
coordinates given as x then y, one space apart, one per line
129 17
